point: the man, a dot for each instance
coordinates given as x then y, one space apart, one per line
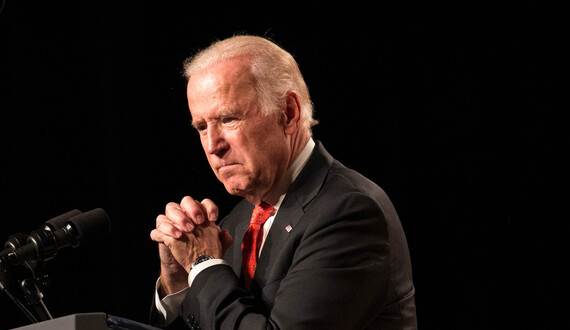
331 253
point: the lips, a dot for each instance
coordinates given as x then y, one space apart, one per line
226 166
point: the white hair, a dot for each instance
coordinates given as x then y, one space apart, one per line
275 70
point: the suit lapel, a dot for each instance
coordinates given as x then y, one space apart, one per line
237 225
301 192
288 215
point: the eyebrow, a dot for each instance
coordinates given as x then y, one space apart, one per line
221 114
195 123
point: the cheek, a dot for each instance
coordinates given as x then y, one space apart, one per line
264 164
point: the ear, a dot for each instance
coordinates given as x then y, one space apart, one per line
292 113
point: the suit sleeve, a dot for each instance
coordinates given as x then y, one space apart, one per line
338 275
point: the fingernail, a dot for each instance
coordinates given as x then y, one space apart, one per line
200 219
189 227
212 217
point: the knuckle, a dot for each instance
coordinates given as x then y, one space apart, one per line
187 199
160 218
172 205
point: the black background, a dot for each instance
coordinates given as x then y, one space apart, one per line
449 109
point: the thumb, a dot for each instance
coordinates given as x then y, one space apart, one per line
226 240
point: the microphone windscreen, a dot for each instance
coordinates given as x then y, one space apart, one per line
61 220
91 224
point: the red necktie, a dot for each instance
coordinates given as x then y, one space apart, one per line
252 240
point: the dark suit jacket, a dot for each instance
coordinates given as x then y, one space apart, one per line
344 264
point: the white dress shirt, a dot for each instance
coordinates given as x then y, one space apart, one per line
169 305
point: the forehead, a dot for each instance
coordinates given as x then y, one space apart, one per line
223 83
222 75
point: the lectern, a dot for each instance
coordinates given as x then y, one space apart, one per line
88 321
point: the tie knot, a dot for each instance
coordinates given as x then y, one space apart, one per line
261 213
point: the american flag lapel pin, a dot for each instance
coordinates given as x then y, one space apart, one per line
288 228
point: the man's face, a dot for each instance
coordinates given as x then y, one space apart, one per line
247 150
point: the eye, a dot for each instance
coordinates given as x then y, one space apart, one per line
200 127
228 120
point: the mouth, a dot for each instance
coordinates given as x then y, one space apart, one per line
226 166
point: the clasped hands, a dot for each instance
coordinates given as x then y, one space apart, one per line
184 232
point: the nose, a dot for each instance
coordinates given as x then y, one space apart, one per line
215 142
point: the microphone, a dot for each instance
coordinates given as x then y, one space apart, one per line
70 229
60 220
16 240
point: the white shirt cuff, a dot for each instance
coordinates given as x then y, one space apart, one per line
201 266
169 306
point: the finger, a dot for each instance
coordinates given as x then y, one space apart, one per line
157 236
172 205
226 239
211 209
176 214
161 218
167 227
193 210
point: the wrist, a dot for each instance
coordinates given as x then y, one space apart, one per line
168 286
172 279
201 258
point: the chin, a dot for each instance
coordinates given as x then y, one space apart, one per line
234 189
239 191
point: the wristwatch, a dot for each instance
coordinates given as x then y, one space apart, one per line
201 258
